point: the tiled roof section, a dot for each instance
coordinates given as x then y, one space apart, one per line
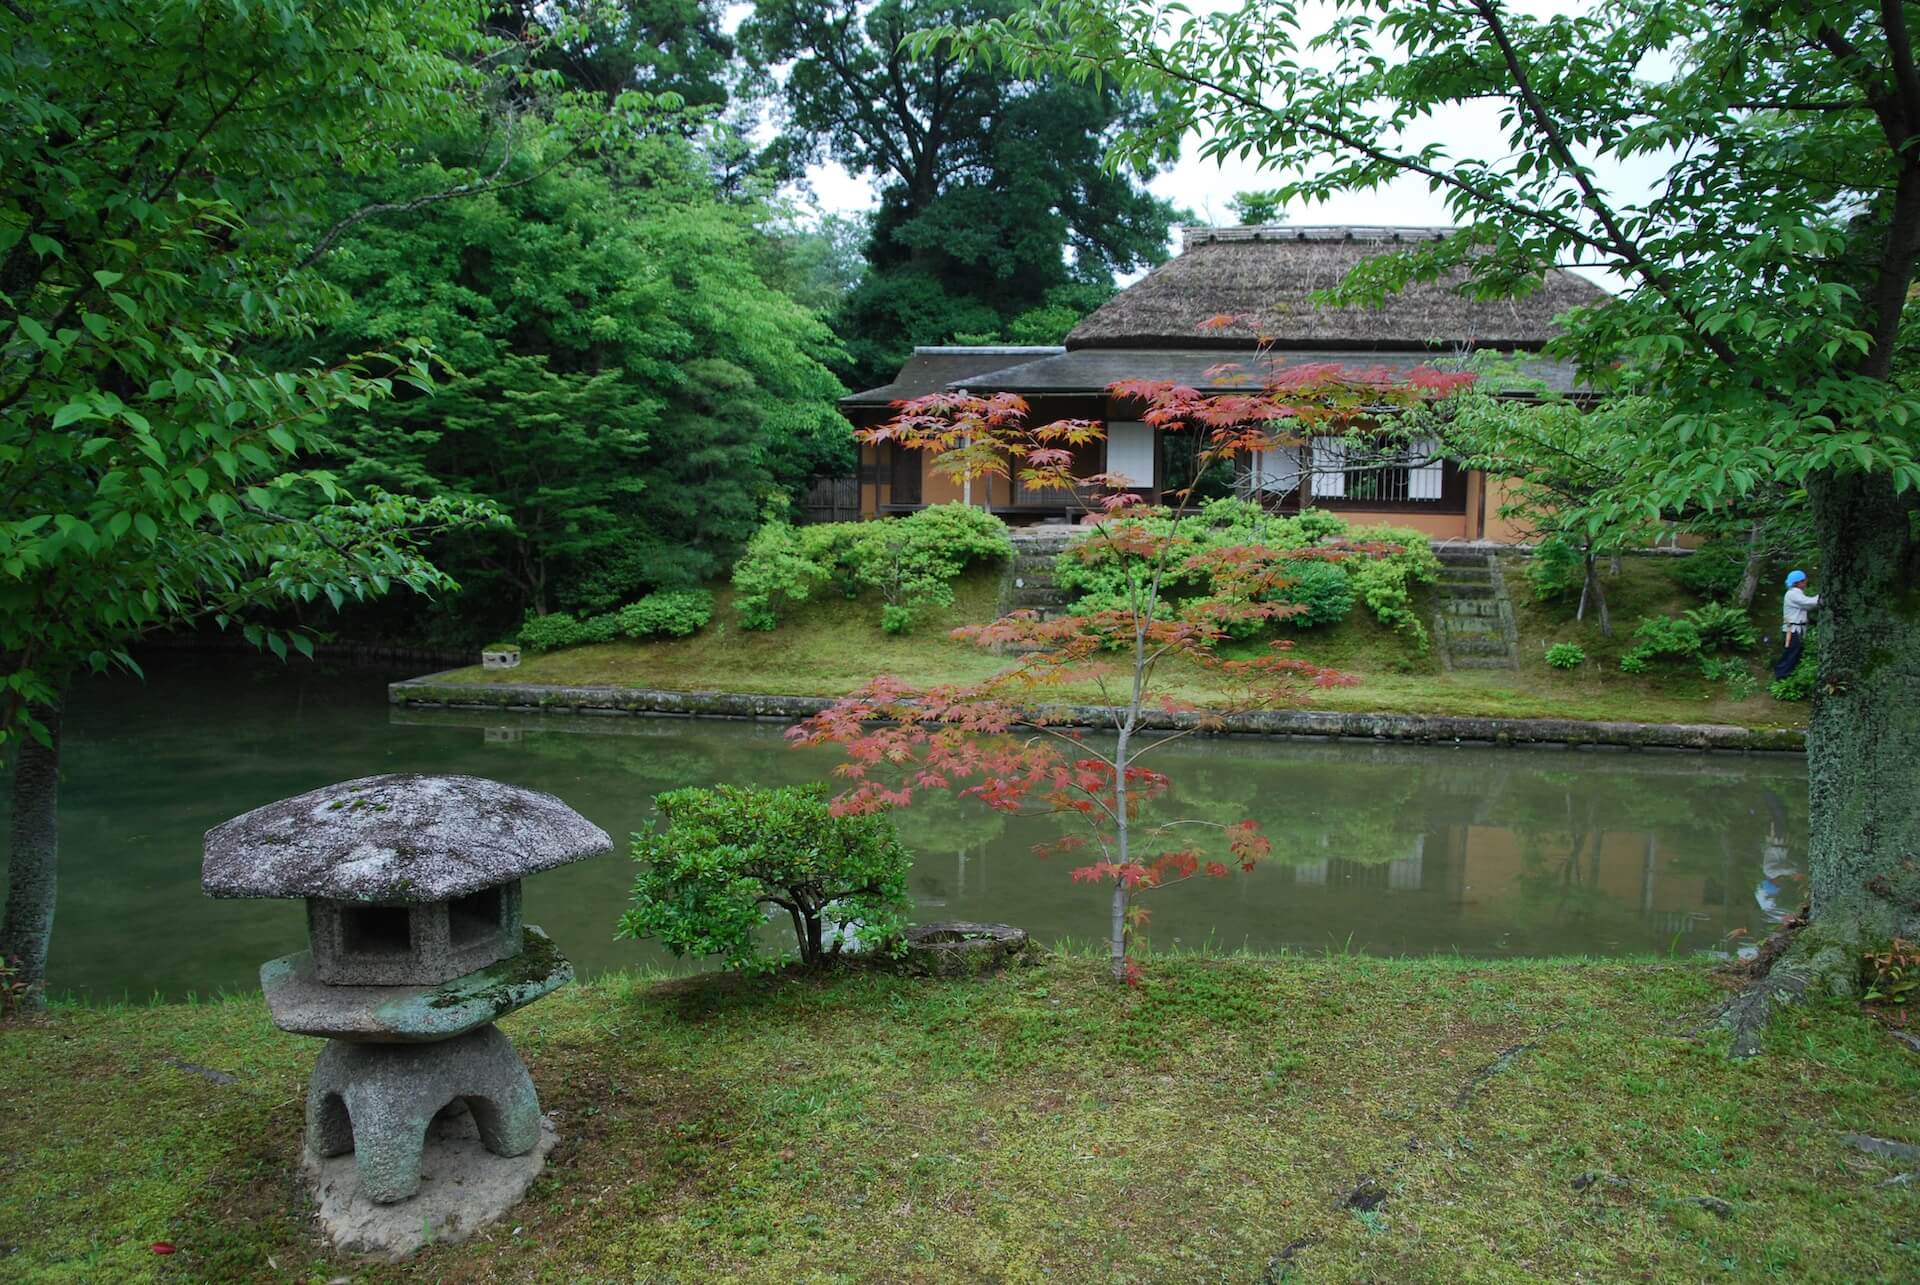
1263 277
931 369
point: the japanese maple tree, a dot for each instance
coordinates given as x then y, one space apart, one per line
1011 742
1768 270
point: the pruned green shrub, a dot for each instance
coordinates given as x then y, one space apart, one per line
557 629
1555 570
1385 583
912 561
777 570
672 613
1314 525
1566 655
1323 588
731 856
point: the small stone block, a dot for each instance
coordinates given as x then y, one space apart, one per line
357 944
501 659
961 949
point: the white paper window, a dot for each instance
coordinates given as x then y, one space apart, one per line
1423 480
1276 471
1404 873
1329 466
1130 452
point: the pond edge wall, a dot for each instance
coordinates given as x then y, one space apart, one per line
436 691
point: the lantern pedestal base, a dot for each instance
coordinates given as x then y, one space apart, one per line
376 1100
463 1188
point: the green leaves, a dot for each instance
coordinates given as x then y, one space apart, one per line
731 857
145 448
1771 313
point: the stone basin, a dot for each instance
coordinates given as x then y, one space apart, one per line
303 1004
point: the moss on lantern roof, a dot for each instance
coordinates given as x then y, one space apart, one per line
401 837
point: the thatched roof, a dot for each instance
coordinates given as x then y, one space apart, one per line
931 369
1094 370
1265 274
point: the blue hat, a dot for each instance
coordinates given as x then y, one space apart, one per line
1795 577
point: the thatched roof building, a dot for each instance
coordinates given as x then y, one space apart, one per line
1265 275
1168 326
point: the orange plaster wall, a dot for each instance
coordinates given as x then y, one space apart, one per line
938 488
1441 526
1500 530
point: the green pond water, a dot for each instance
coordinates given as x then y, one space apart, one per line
1379 849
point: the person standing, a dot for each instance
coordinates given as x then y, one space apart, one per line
1793 622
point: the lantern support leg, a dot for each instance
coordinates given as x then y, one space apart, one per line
391 1092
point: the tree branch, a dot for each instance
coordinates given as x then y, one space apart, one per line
479 187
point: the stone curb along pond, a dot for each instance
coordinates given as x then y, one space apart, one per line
436 691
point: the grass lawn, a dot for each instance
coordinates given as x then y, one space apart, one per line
1244 1119
831 648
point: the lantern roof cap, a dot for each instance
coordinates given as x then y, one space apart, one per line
402 837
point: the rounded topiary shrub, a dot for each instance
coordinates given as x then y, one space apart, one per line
731 855
1322 588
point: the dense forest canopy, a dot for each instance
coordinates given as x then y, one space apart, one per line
997 218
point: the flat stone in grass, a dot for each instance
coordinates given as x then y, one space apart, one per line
955 948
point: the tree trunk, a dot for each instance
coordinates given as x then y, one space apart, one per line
35 856
1864 832
1750 577
1592 591
1117 928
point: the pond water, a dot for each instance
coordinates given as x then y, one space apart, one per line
1379 849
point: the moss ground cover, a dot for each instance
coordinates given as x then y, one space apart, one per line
828 648
1235 1119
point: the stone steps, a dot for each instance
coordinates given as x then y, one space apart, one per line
1030 583
1473 625
1457 590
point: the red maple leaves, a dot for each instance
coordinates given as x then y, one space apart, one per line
1000 741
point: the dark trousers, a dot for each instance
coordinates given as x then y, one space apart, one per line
1796 643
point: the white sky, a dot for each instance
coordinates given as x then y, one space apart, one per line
1205 187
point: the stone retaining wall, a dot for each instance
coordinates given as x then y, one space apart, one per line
433 691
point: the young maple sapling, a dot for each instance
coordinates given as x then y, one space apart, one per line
999 741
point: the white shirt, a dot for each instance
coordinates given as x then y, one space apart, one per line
1794 607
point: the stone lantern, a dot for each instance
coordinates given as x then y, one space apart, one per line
415 948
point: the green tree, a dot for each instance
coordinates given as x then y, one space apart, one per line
1561 464
1254 208
1000 741
730 852
626 386
162 167
609 47
992 190
1768 275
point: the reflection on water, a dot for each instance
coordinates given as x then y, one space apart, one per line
1389 850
